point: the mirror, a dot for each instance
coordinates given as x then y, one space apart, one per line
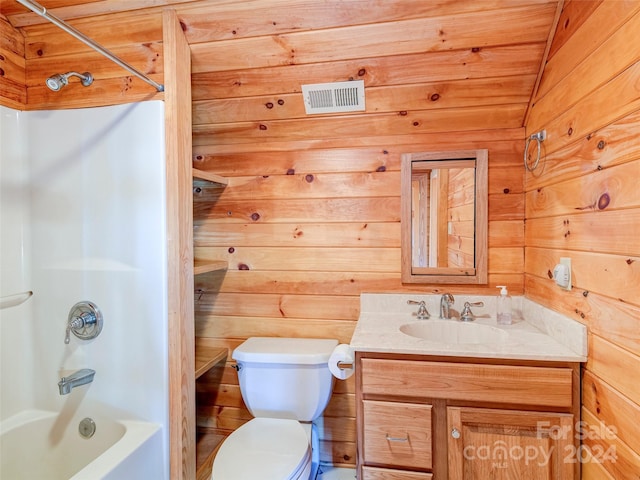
444 217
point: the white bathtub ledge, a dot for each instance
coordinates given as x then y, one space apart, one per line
23 417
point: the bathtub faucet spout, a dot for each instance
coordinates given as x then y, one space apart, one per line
81 377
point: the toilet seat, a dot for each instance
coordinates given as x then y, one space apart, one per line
270 448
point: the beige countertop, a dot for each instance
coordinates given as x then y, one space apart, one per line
537 333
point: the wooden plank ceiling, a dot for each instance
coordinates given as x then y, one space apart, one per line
428 65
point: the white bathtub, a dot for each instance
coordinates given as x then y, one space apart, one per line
42 445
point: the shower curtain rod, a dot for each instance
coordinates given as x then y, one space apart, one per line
42 11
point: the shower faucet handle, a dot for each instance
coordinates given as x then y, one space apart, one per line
74 324
85 321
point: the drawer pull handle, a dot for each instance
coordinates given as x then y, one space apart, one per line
455 433
397 439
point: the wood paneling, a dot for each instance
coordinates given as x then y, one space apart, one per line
583 203
310 218
13 92
182 433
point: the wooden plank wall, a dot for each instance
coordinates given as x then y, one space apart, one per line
311 216
48 50
583 202
305 231
461 215
13 92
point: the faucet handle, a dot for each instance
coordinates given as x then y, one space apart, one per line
467 315
73 324
422 313
84 321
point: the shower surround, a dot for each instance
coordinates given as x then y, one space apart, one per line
82 217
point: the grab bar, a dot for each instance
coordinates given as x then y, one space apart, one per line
14 300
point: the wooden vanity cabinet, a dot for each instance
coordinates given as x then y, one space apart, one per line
452 419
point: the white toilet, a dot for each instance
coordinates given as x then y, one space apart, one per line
286 384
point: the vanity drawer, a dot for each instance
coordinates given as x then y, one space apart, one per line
523 385
374 473
397 434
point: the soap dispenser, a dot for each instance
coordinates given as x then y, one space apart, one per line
503 309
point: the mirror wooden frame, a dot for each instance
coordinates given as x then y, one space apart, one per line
475 275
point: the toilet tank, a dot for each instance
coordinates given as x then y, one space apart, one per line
285 377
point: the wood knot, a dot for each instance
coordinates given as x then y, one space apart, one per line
475 49
416 124
570 131
309 178
291 171
39 52
255 216
231 250
362 72
403 113
280 102
198 157
263 126
381 168
601 144
183 26
435 97
269 105
506 190
243 266
604 201
197 189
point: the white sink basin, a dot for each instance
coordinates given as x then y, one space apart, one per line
454 332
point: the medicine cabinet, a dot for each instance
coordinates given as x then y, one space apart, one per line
444 217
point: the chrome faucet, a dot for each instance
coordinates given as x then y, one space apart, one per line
81 377
422 313
445 304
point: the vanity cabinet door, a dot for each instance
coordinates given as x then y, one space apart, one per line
510 445
397 434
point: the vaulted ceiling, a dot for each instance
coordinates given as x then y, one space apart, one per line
436 65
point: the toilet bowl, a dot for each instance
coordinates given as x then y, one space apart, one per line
286 385
265 448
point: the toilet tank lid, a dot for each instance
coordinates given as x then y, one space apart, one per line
300 351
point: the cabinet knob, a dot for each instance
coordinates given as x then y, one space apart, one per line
455 433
